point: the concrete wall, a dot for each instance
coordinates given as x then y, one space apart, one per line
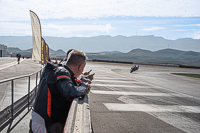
3 50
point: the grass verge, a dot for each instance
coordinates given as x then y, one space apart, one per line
190 75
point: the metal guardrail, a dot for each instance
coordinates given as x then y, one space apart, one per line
8 114
78 120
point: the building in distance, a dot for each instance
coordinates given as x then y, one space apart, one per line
3 50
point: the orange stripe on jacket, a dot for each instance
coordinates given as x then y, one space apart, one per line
49 103
63 76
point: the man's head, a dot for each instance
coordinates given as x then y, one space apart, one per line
76 61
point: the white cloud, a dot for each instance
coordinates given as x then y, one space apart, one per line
70 29
17 10
153 28
18 28
195 35
179 30
15 28
99 17
188 25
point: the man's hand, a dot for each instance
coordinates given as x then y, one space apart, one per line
89 81
88 86
87 73
91 77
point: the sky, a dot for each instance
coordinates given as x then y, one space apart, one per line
170 19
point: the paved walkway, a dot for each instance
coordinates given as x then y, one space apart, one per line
4 60
9 68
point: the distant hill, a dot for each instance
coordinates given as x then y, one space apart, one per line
165 56
105 43
60 51
28 52
13 49
57 54
106 52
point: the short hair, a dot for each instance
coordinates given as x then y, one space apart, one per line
69 52
76 57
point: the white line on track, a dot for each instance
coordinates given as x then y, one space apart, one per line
122 86
167 113
110 78
130 93
152 108
115 81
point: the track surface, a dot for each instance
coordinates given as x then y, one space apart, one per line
148 100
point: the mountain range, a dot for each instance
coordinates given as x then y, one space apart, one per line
165 56
28 52
105 43
138 49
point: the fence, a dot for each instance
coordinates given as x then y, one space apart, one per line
8 114
78 118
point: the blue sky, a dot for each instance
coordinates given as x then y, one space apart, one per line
170 19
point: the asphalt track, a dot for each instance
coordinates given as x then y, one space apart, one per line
150 100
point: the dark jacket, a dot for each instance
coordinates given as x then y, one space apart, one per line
18 55
57 89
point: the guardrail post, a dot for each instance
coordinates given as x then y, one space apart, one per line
28 90
12 99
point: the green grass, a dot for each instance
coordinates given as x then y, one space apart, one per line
191 75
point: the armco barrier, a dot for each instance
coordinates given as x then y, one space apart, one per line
8 114
78 120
